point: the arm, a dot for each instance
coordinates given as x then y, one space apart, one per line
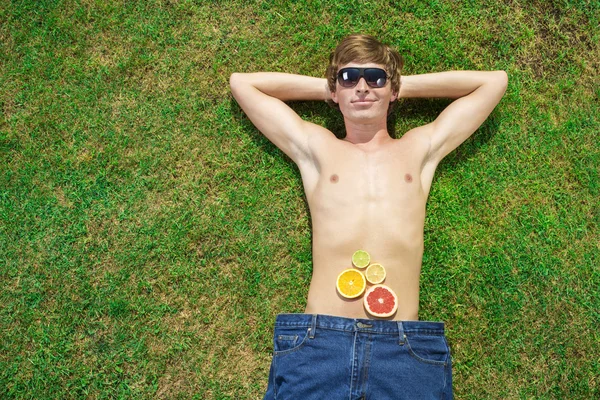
261 95
477 93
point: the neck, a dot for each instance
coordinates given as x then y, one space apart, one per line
366 133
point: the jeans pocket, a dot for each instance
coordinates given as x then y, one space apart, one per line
430 349
288 339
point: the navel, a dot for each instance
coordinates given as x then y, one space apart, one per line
408 178
334 178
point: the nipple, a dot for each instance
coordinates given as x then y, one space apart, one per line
408 178
334 178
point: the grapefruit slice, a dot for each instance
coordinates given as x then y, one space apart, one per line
380 301
375 273
360 259
351 283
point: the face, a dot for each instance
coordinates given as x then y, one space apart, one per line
363 103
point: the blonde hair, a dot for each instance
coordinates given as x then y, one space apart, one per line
364 49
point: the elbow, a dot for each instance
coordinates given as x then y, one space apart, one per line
234 80
501 79
237 82
496 82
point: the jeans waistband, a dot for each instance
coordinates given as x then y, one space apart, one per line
362 325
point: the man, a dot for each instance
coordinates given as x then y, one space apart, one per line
367 191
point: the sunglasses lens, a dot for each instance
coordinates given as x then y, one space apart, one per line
348 77
375 77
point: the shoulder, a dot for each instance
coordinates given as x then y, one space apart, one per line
318 142
321 147
418 141
319 137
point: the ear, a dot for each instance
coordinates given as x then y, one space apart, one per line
394 97
334 97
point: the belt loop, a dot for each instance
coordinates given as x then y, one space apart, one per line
313 327
401 334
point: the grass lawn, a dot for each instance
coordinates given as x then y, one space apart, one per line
149 235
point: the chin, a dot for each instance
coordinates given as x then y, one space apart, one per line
367 115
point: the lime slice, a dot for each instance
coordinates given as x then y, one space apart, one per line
360 259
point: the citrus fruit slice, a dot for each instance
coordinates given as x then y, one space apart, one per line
360 259
375 273
351 283
381 301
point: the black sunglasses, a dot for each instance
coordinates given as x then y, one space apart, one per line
375 77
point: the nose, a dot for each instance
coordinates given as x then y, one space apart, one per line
362 86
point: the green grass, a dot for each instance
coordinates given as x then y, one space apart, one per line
149 234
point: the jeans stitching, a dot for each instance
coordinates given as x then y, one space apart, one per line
298 347
274 363
367 366
443 393
424 360
287 337
423 332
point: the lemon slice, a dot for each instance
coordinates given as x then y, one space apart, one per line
360 259
375 273
351 283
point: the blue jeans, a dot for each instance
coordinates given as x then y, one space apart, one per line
323 357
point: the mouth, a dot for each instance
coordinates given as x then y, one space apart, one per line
362 101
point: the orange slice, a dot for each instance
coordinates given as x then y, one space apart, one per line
375 273
360 259
351 283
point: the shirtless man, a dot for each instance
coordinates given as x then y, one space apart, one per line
367 191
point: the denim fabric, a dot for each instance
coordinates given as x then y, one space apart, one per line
328 358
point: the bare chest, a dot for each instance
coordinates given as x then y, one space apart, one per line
357 178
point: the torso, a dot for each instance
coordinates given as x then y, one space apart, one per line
372 200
